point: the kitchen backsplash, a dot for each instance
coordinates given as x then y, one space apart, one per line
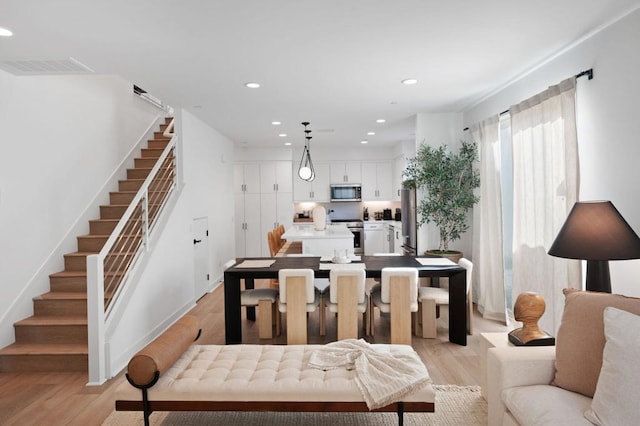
348 210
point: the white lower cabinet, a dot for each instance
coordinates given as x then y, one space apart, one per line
375 238
398 240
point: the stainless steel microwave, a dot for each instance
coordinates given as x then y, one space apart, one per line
346 192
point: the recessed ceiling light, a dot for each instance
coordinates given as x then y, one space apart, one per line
371 133
381 120
364 142
283 135
287 143
252 85
276 123
409 81
5 32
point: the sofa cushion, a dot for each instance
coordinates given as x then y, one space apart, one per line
546 405
616 399
580 340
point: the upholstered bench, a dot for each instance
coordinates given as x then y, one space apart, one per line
170 374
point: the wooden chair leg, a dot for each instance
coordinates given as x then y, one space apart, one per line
429 330
277 318
265 319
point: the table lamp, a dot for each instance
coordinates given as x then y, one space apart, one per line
596 232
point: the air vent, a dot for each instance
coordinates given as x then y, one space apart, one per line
44 66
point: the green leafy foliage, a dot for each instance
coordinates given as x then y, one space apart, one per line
448 181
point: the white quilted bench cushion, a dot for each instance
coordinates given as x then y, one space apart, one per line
257 373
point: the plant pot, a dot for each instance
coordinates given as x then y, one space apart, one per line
452 255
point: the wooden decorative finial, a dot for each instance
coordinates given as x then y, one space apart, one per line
528 309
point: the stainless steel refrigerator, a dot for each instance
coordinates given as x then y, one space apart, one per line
409 228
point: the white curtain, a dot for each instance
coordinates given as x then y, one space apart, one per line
545 179
488 269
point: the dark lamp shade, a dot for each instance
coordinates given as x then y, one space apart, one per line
595 230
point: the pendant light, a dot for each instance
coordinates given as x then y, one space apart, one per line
306 170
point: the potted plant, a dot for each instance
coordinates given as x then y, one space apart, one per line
448 180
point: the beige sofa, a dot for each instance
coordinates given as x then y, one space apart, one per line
519 390
590 377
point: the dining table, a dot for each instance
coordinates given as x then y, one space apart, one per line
250 269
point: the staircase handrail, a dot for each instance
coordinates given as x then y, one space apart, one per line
97 315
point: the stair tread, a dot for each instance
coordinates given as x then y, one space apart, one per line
45 348
81 253
53 320
63 295
74 274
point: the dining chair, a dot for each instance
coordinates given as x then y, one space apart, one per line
430 298
278 233
266 300
347 298
398 296
298 296
372 286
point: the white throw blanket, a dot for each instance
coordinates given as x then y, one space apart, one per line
382 377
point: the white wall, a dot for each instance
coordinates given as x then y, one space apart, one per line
62 137
607 118
165 290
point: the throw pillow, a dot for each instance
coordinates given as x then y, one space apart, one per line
616 399
580 340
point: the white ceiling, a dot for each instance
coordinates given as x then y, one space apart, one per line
335 63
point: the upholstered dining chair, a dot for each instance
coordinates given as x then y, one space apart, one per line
430 298
266 300
298 296
347 298
398 296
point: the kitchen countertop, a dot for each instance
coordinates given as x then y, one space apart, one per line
305 232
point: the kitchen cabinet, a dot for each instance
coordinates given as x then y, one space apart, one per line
263 200
375 238
275 209
376 181
346 172
246 178
275 177
398 168
317 190
247 222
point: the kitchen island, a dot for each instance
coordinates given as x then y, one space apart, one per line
321 243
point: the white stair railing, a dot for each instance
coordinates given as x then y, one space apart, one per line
108 271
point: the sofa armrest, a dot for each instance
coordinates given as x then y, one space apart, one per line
516 366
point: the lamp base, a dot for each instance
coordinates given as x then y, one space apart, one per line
598 278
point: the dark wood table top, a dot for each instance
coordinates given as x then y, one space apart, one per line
373 266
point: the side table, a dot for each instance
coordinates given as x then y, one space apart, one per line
488 341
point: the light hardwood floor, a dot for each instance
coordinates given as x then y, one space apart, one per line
63 398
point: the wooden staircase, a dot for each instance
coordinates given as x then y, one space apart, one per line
54 339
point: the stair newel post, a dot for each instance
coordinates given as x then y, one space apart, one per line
96 319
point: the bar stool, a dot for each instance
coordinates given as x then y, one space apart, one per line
266 300
297 297
398 296
347 298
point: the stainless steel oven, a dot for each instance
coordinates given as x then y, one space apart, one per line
357 228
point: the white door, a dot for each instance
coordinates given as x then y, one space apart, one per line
201 256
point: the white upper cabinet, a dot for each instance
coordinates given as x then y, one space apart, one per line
398 168
377 181
316 190
346 172
246 178
275 177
